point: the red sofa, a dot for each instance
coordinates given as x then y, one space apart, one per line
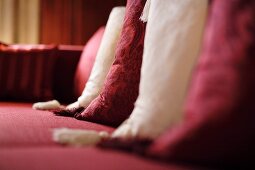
25 134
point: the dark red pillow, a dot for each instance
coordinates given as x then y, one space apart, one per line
87 61
116 101
220 126
26 72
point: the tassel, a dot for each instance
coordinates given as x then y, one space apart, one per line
78 137
49 105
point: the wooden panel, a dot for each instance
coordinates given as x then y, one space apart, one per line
73 21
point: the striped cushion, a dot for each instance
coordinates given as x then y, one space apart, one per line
25 72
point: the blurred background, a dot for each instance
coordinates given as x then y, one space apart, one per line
53 21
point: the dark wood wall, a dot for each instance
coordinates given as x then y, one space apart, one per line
73 21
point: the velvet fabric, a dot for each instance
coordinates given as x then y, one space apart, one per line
87 60
116 101
219 127
22 126
25 72
26 143
59 158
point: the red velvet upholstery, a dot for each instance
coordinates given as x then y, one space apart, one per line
87 61
21 126
22 73
59 158
116 101
219 130
25 143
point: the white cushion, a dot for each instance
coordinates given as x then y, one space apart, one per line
104 58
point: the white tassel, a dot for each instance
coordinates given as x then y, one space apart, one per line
146 10
78 137
53 104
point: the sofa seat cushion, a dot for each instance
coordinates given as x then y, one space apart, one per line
21 126
78 159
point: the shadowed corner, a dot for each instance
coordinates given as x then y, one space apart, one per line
68 112
134 145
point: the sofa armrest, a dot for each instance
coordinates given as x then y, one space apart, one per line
38 72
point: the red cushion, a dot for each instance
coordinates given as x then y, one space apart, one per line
21 126
219 129
26 72
87 61
116 101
